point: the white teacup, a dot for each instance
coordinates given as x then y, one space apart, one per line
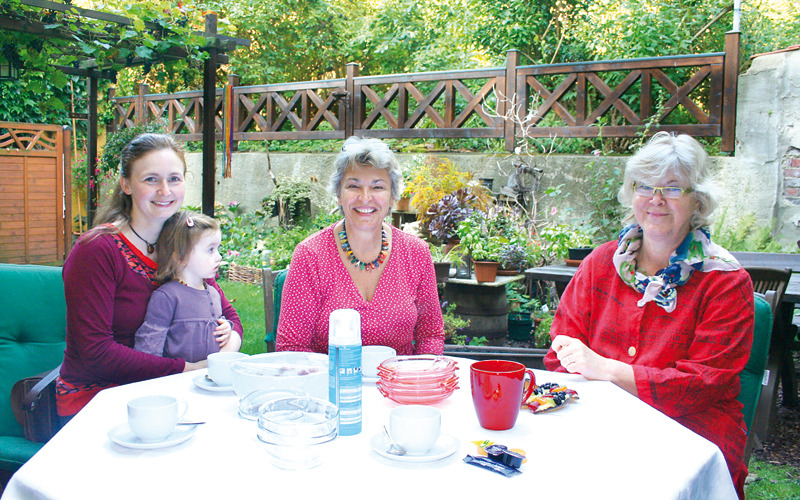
415 428
372 356
153 418
219 366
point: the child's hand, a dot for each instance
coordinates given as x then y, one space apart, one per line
228 339
223 332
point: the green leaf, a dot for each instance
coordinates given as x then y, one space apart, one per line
143 52
56 103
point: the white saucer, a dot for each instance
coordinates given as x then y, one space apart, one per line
123 436
205 383
445 446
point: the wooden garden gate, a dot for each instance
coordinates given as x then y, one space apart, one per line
35 191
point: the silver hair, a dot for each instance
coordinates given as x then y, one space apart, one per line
668 154
370 152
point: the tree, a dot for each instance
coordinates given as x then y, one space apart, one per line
420 35
291 40
543 30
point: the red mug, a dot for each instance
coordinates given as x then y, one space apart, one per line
497 392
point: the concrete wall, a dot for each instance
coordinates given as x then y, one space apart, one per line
762 178
768 142
251 182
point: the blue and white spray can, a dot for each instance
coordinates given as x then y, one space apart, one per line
344 368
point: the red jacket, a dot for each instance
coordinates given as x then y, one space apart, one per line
686 363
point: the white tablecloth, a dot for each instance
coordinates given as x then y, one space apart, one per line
606 445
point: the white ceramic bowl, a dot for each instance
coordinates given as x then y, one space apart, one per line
306 371
372 356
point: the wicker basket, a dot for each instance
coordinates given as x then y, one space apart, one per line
245 274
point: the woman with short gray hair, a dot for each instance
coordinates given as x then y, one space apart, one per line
363 263
373 152
664 312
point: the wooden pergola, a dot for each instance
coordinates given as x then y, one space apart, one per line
216 46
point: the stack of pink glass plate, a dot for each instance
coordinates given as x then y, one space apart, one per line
417 379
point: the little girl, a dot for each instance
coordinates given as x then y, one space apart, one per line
184 316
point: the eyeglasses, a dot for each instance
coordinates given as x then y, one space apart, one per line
670 192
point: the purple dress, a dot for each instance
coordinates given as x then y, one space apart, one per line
180 322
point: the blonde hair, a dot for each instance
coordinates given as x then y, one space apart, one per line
678 155
178 237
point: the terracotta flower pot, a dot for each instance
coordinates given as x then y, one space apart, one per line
402 204
450 245
485 271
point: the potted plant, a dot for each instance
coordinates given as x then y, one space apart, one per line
442 261
524 313
446 214
513 259
404 203
483 247
485 259
560 238
434 178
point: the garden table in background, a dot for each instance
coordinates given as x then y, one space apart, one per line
608 444
781 344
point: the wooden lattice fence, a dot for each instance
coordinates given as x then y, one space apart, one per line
35 190
694 94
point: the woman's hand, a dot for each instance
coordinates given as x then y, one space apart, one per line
576 357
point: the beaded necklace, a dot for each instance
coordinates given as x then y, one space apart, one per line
354 260
205 286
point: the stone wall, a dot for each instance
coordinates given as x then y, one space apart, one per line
763 178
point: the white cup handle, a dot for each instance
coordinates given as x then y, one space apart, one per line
185 406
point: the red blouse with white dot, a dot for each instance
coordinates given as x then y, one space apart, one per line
403 314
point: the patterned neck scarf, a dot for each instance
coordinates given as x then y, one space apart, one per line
695 253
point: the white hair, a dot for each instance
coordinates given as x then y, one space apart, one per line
667 154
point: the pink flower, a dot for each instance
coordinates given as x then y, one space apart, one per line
233 253
553 211
596 152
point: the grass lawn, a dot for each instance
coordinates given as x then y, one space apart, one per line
773 481
249 304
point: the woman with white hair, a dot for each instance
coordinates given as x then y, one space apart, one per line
363 263
664 313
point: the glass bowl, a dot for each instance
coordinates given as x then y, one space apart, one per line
305 371
250 405
297 430
417 369
419 397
